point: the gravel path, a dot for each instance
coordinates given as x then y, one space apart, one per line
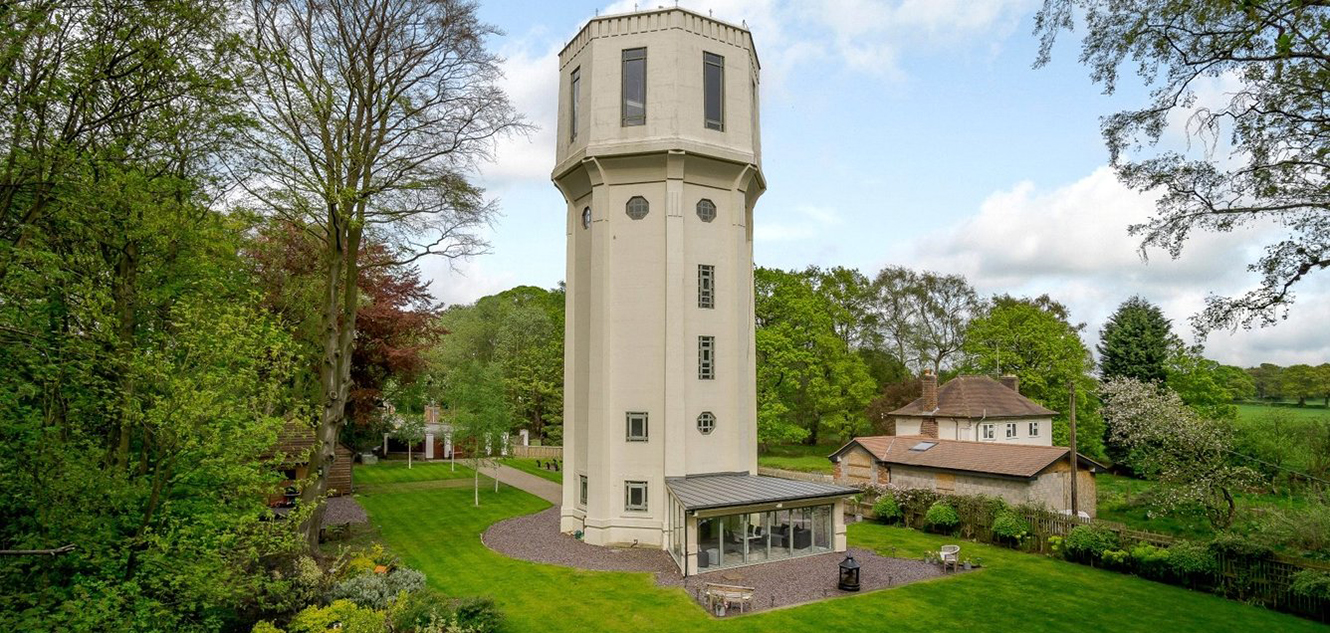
536 538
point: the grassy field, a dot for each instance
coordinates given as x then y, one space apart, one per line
396 472
1120 500
529 465
809 459
438 531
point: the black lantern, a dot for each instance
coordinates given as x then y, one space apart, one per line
849 574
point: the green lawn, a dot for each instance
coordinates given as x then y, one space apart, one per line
809 459
1257 411
529 465
1120 500
395 471
438 531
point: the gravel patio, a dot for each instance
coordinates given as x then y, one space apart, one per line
536 538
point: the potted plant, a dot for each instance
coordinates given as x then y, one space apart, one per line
978 562
967 565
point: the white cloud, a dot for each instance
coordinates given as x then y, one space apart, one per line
809 223
1072 243
463 281
531 80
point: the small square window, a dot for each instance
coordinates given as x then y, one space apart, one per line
581 490
635 495
706 357
1034 429
1011 430
987 431
706 286
637 426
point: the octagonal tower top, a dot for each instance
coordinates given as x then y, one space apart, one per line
655 81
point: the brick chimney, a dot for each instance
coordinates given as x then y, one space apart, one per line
1011 382
928 428
928 384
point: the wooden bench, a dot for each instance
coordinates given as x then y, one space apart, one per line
727 595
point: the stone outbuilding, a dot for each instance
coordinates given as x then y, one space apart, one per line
1018 473
977 408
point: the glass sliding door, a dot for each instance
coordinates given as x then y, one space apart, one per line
708 543
758 537
822 528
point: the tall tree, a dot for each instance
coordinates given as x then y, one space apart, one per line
372 115
1259 154
1301 382
923 316
808 380
1032 339
1267 380
1137 342
1200 383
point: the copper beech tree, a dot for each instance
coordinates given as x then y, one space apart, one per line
372 118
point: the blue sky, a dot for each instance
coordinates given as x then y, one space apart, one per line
910 132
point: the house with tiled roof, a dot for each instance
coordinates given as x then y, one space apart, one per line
975 408
1018 473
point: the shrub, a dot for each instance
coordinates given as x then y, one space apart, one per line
1150 560
1057 545
378 591
1008 525
1115 557
478 615
1312 584
915 503
341 614
1240 546
1188 558
266 627
941 515
419 609
1087 541
886 508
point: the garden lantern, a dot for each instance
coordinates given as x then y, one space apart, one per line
849 574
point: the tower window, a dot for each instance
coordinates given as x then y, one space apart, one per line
706 286
635 86
635 495
575 102
713 89
637 207
581 489
637 426
706 210
586 218
706 423
706 357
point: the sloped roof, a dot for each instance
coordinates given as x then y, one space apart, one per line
720 490
990 458
976 397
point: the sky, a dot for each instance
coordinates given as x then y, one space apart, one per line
904 132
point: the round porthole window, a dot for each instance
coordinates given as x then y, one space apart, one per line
637 207
706 210
706 423
586 218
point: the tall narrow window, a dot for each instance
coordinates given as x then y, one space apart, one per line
637 426
635 86
713 88
575 103
1034 429
581 494
706 357
635 495
1011 430
706 286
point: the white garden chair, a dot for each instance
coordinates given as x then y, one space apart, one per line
950 555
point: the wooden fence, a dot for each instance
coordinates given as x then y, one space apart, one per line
538 452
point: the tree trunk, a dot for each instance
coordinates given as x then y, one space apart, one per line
339 326
475 488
